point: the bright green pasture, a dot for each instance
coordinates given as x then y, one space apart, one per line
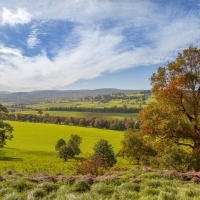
43 137
33 147
85 114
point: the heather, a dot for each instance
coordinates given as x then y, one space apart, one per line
140 183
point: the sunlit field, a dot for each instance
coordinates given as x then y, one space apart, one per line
33 146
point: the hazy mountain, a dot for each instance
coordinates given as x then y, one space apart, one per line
4 92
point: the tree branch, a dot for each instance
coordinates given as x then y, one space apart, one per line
188 145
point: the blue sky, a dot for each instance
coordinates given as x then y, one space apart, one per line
89 44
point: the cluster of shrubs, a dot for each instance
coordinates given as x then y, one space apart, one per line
75 121
98 163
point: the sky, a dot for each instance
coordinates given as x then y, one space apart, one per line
91 44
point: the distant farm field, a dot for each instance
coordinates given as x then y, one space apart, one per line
131 101
33 147
86 114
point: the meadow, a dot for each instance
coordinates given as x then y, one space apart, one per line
33 146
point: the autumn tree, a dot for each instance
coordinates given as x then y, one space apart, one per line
175 116
5 128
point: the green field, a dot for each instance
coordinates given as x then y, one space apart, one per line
33 147
85 114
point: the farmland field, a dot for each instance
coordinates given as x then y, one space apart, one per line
85 114
33 146
130 100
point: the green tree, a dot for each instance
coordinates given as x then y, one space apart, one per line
69 149
105 150
66 152
74 142
76 138
5 128
135 147
175 116
59 144
74 146
40 111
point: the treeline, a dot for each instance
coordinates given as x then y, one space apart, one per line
113 124
113 109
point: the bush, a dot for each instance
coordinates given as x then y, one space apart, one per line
129 187
48 187
12 196
94 165
22 185
4 191
102 188
175 158
36 194
81 186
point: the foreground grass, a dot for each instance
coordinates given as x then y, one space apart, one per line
33 147
114 185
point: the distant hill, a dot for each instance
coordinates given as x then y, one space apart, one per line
44 95
4 92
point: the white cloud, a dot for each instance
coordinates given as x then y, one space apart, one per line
95 54
20 17
32 40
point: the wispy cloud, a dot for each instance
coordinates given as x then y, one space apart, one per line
104 36
20 17
32 40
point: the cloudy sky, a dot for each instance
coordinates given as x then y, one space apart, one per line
89 44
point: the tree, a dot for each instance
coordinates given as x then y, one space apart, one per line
5 128
135 147
105 150
76 138
74 143
40 111
69 149
66 152
175 116
59 144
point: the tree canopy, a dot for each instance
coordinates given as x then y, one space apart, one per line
175 116
5 128
105 150
69 149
